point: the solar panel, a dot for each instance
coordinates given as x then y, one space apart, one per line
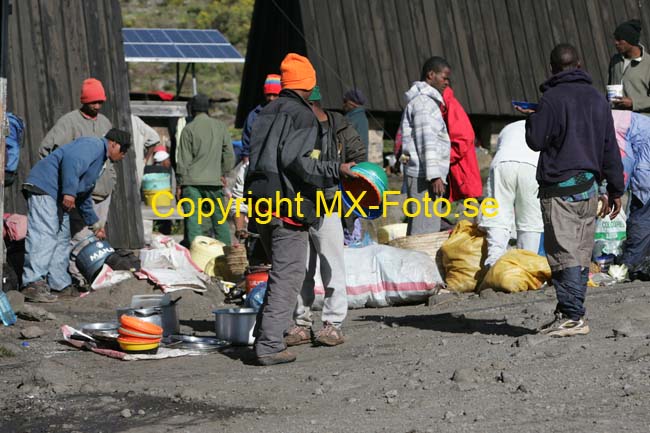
178 45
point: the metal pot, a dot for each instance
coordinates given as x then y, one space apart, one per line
89 255
235 325
164 316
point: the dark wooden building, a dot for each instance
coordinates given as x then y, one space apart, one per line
498 49
53 46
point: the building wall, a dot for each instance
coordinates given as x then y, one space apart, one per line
53 46
498 49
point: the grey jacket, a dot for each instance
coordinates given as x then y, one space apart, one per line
635 80
74 125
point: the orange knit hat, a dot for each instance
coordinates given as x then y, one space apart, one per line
92 91
297 73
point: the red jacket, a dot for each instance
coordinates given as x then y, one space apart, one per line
464 174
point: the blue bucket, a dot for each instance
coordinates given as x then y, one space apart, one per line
156 181
89 256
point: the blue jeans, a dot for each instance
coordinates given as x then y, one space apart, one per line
47 246
637 244
571 288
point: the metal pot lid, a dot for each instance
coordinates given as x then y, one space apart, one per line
99 326
194 343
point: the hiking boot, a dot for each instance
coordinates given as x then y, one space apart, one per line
565 327
38 291
329 335
297 335
276 358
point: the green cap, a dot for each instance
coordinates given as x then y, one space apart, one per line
315 94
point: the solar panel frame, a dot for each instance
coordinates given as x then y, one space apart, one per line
178 45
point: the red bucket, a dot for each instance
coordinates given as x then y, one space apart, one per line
254 278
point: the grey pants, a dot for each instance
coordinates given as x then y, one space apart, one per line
80 231
416 187
569 229
326 255
287 247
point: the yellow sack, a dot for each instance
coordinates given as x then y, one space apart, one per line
463 255
517 271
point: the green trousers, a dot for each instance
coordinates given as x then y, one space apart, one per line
192 226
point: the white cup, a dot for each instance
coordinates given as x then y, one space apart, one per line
614 91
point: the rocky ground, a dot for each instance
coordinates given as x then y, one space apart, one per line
463 363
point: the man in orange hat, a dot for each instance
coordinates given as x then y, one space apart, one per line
86 121
285 166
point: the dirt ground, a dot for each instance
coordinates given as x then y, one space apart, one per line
463 363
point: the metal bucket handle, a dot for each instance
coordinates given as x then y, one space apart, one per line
76 250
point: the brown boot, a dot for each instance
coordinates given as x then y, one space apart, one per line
38 291
276 358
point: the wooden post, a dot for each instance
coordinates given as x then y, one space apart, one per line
3 138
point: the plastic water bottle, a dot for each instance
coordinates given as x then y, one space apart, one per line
6 312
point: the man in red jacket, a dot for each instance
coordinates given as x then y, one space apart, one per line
464 174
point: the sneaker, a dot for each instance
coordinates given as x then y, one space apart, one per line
565 327
276 358
329 335
38 291
297 335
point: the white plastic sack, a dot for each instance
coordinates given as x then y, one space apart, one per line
381 276
170 266
610 235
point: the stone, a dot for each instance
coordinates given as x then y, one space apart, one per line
371 409
625 328
31 332
488 294
465 375
126 413
530 340
16 300
640 352
34 313
448 416
141 412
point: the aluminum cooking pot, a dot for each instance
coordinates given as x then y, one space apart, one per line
235 325
164 316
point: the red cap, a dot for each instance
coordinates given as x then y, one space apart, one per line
92 91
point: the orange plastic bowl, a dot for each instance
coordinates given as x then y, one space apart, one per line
135 340
139 325
359 184
128 332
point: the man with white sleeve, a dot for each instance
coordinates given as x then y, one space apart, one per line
513 184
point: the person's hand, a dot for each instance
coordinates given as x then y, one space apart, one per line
623 103
224 181
603 206
68 202
244 159
615 206
345 169
241 234
437 187
100 233
179 191
525 111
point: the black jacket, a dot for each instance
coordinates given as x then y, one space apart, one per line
284 135
351 147
573 130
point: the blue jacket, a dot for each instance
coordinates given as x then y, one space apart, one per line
72 170
573 130
639 137
248 128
